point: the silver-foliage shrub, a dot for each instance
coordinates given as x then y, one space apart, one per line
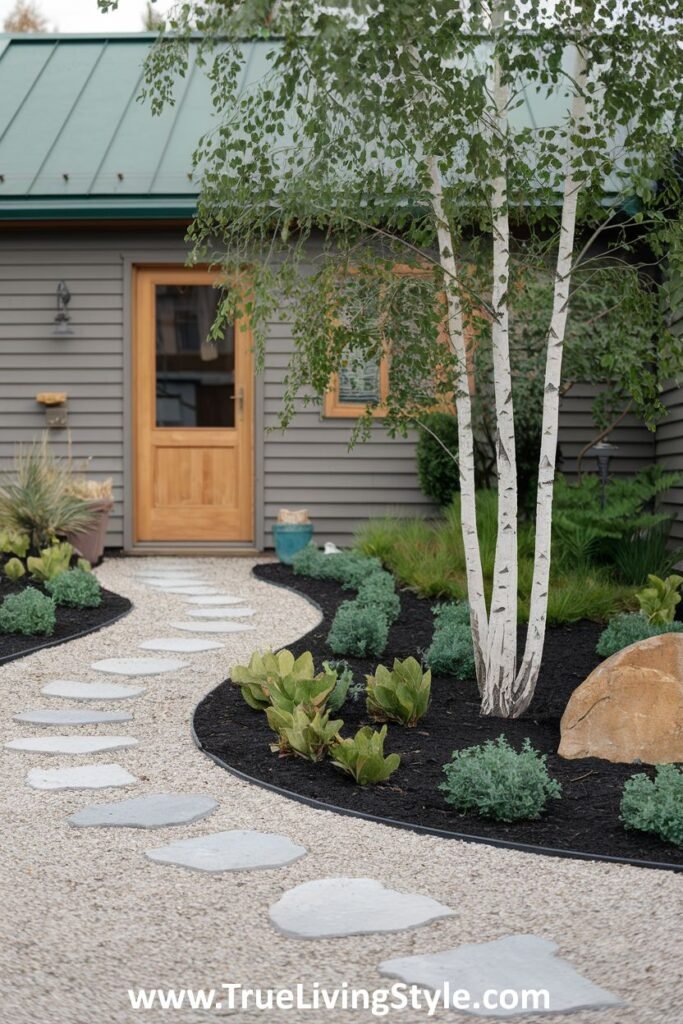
496 781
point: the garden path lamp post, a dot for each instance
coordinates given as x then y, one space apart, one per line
603 452
61 328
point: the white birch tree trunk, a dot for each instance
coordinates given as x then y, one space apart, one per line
501 653
463 406
538 610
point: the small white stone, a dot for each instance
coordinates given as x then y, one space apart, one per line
331 907
87 776
71 744
176 581
513 963
222 599
229 851
217 613
72 690
180 644
70 716
213 627
157 810
138 666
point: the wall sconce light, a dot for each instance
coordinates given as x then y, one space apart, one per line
61 328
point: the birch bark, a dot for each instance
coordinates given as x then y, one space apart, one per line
501 653
538 610
463 406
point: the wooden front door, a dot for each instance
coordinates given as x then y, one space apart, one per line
193 412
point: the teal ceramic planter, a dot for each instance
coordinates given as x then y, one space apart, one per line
290 538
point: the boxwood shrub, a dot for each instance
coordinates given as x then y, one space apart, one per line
29 612
76 589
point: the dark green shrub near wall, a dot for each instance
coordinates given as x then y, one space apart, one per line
437 469
30 613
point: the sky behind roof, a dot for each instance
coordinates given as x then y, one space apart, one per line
85 16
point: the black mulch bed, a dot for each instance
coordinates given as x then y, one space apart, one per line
71 622
585 820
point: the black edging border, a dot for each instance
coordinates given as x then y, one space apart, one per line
67 639
320 805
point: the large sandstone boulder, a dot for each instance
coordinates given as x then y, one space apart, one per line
630 707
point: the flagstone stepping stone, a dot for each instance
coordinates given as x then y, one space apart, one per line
138 666
217 613
189 591
87 776
72 690
188 645
225 599
514 962
71 716
71 744
213 627
230 851
176 581
158 810
330 907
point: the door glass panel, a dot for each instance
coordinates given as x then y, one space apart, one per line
195 377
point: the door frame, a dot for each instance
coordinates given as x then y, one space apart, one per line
254 438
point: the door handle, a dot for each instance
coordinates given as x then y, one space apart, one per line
240 403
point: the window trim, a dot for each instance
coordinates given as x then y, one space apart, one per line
333 408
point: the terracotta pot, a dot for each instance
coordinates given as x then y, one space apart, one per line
90 543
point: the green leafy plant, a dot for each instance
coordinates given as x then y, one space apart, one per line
53 560
75 589
344 676
358 631
362 756
658 601
655 805
14 569
620 533
256 678
35 498
12 543
288 693
400 695
304 731
29 612
626 629
496 781
451 652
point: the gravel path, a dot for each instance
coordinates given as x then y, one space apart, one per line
86 916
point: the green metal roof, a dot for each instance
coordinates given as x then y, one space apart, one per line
76 142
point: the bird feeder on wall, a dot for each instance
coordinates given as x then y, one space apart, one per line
55 406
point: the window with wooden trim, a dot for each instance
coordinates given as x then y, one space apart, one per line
363 382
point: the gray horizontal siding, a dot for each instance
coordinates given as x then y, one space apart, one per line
89 365
310 465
